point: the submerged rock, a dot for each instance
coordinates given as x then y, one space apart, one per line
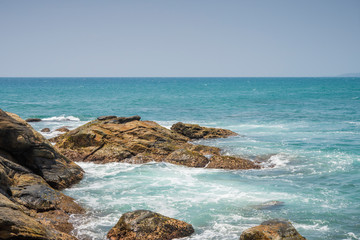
136 141
143 224
275 229
31 173
269 205
33 120
194 131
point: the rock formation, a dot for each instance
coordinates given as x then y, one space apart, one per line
194 131
275 229
143 224
31 174
127 139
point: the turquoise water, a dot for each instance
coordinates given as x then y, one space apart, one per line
310 128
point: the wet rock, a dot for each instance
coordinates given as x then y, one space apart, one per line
269 205
273 229
62 129
187 158
231 162
45 130
33 120
141 142
32 150
143 224
194 131
121 120
102 118
30 169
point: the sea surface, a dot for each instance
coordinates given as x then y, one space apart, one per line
308 128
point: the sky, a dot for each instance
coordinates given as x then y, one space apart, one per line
179 38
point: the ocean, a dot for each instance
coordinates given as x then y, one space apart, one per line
309 128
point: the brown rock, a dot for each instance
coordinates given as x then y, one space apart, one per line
275 229
33 120
187 158
143 224
194 131
230 162
101 118
45 130
30 149
30 208
62 129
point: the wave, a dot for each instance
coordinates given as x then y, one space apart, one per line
61 118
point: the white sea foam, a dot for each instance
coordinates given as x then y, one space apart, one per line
352 236
61 118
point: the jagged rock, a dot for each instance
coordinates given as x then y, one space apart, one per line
45 130
30 169
275 229
121 120
33 151
187 158
140 142
33 120
143 224
230 162
194 131
62 129
101 118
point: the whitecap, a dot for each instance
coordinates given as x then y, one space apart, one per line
61 118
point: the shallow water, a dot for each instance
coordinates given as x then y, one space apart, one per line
308 127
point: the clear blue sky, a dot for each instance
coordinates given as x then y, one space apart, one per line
179 38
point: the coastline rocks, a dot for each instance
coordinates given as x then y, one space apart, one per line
269 205
135 141
31 173
194 131
143 224
276 229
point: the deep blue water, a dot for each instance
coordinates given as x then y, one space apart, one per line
310 125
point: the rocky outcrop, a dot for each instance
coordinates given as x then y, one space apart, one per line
45 130
33 120
194 131
31 150
31 174
275 229
133 141
62 129
143 224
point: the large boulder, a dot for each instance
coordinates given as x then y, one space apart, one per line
130 140
194 131
31 174
143 224
31 150
275 229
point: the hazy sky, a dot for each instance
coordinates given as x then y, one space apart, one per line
179 38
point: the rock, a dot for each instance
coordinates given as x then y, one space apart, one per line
187 158
101 118
32 150
30 169
269 205
62 129
45 130
194 131
140 142
230 162
143 224
121 120
33 120
276 229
